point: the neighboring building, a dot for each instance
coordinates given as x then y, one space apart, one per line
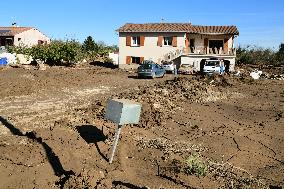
27 36
178 42
114 57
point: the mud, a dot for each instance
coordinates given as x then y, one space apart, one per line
53 133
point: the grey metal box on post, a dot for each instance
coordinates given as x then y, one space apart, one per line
123 111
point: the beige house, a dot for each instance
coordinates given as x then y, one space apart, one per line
179 42
26 36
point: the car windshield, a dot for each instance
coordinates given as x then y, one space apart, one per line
146 66
212 63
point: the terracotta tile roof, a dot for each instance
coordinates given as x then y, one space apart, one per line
178 27
156 27
216 29
12 31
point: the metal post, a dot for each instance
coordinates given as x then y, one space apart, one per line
116 137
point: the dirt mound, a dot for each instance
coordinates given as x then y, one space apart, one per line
160 101
220 80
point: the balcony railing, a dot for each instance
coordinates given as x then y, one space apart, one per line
196 50
207 50
173 54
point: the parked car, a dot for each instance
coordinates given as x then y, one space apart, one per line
150 69
185 69
168 66
211 66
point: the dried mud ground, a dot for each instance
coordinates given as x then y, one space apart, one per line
53 135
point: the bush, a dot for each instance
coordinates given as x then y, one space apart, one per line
194 165
56 53
66 53
260 56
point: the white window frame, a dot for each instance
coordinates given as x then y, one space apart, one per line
135 41
166 41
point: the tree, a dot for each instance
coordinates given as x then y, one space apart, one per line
89 44
280 54
281 48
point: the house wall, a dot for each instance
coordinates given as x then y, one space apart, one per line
30 38
150 50
114 57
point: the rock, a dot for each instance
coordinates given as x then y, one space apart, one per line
41 66
105 183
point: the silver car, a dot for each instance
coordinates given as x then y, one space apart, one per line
169 66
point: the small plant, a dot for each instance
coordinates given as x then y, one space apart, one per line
194 127
194 165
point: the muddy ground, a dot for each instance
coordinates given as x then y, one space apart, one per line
53 133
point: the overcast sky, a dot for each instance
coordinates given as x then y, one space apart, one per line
260 22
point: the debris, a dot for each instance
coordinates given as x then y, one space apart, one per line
238 73
11 58
255 74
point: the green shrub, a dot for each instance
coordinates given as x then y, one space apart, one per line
260 56
67 52
194 165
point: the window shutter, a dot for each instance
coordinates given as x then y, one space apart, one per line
160 41
128 40
142 40
175 41
141 60
226 46
128 59
187 44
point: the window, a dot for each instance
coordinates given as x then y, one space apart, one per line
168 41
135 60
19 39
216 44
135 41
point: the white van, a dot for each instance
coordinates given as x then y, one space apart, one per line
211 66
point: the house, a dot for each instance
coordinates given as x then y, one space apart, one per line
26 36
178 42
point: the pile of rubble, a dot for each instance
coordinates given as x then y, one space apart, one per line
256 74
261 72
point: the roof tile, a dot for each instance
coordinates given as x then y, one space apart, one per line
12 31
178 27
